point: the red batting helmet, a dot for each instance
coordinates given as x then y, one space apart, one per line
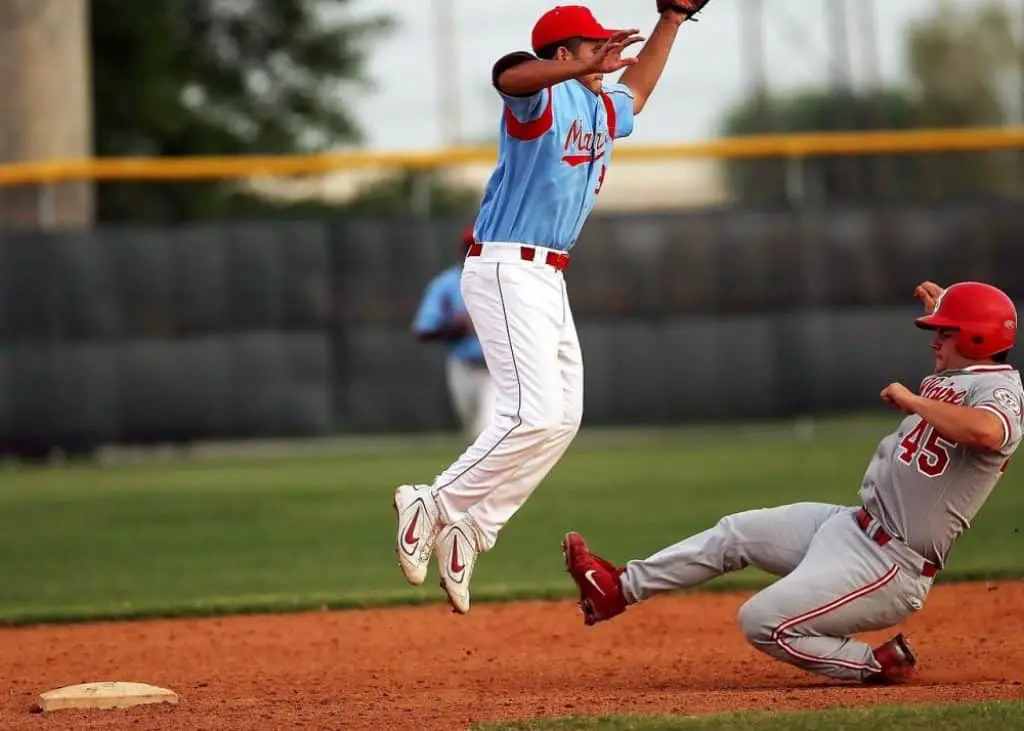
983 316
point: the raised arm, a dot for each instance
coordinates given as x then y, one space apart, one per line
643 76
521 74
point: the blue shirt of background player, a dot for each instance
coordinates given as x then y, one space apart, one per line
553 152
440 311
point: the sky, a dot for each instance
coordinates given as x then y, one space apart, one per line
705 74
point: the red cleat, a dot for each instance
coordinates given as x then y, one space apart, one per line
897 661
598 581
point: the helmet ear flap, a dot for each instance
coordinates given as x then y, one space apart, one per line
973 344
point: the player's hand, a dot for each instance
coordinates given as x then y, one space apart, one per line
900 397
683 9
462 322
607 57
928 292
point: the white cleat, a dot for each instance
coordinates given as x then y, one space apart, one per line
456 557
419 521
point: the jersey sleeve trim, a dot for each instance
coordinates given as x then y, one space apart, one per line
527 131
620 89
1004 419
609 108
618 102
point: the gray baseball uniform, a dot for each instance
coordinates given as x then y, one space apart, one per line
852 569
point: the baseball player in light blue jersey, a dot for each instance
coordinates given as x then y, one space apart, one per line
558 123
442 317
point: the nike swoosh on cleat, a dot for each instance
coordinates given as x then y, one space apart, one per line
456 566
410 538
589 576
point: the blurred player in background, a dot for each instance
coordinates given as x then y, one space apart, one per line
442 318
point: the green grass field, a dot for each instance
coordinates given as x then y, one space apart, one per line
245 534
948 717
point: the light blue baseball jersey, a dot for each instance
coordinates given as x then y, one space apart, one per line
441 304
553 153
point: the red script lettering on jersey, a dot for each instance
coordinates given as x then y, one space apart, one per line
582 147
935 389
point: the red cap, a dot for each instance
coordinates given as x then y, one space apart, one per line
567 21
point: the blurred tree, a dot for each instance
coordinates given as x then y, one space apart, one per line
966 71
413 192
965 65
770 181
219 77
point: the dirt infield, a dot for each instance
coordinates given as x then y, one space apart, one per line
423 668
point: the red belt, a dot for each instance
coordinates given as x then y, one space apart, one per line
558 260
881 537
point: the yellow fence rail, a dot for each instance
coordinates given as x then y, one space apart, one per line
755 146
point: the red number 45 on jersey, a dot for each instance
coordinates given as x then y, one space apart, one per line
924 448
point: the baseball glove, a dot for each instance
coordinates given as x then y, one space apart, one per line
689 8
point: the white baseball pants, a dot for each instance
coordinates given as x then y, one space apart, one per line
836 582
521 314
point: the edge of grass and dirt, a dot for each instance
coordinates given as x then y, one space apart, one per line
281 604
918 717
